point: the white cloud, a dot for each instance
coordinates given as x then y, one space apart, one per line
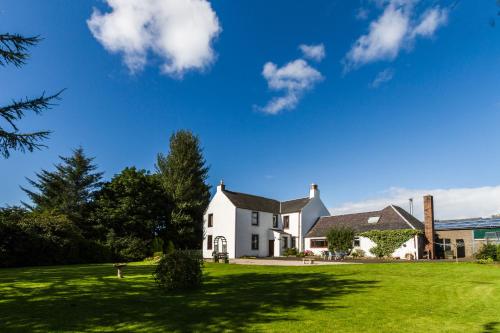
314 52
294 78
430 21
453 203
393 30
179 32
382 77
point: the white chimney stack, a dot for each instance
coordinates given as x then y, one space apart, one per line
314 192
221 186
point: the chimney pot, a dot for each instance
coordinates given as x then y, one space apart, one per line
221 186
313 192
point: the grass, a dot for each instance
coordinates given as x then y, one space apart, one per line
405 297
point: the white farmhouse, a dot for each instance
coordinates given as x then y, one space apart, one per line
258 226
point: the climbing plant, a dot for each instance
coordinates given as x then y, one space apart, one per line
388 240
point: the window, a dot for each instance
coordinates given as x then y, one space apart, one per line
210 220
275 221
356 242
209 242
294 242
285 242
319 243
255 218
286 222
255 242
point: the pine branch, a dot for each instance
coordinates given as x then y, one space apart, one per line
21 141
17 109
14 48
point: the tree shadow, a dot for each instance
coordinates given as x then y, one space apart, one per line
233 301
491 327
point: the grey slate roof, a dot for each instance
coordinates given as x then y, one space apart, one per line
389 220
292 206
253 202
262 204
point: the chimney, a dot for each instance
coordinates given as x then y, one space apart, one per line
221 186
429 226
314 192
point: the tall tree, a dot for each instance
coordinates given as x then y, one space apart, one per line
184 173
68 189
134 207
14 50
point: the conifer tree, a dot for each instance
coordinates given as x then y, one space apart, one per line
68 189
184 173
14 50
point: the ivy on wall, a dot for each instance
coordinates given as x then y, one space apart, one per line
388 240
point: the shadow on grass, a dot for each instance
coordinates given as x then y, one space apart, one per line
84 299
491 327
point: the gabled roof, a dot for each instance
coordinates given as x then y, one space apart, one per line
253 202
262 204
390 218
292 206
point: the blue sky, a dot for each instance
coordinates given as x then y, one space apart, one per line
430 123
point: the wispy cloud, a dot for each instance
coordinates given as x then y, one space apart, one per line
314 52
395 29
179 32
362 13
382 77
453 203
293 78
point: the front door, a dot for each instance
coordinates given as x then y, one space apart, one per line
271 248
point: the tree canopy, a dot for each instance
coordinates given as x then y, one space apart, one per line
14 50
183 173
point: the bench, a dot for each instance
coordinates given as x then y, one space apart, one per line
308 260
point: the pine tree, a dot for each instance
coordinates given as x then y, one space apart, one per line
68 189
14 50
184 173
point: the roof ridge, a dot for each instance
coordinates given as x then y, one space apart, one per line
251 195
401 215
373 211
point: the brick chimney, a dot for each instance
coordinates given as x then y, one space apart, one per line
429 226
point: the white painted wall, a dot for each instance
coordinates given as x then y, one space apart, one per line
366 244
223 223
245 229
310 213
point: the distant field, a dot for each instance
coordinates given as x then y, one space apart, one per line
413 297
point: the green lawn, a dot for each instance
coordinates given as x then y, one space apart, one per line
403 297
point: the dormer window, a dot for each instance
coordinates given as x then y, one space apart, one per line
275 221
373 219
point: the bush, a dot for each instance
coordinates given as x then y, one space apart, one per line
358 253
498 252
308 253
291 251
179 270
488 251
340 239
485 261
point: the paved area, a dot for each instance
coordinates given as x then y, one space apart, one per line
271 262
